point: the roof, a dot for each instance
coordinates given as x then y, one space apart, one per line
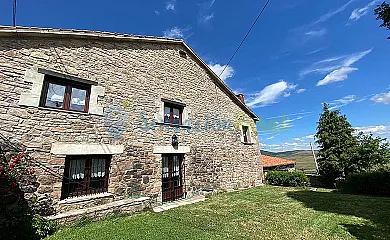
7 31
269 161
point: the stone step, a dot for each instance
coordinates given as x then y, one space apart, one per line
178 203
129 205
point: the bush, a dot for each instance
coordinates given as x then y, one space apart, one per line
287 179
372 183
43 227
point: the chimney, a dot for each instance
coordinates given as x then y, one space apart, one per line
241 97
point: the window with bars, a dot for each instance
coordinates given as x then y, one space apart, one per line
65 94
84 175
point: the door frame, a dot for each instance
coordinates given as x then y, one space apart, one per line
170 192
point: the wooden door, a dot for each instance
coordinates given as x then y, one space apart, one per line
172 177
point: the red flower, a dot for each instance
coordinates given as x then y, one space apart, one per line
1 169
20 176
32 171
12 165
14 184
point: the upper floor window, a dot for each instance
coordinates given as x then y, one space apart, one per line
173 113
245 133
246 136
64 94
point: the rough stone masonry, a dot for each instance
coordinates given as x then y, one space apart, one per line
131 76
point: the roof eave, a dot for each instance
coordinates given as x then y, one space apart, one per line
86 34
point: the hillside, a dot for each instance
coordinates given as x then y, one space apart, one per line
304 158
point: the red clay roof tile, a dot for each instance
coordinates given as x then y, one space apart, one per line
269 161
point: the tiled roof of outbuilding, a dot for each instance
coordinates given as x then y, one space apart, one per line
269 161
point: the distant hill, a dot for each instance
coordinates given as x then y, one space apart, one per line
304 158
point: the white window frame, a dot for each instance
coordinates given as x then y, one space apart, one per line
36 77
160 104
249 134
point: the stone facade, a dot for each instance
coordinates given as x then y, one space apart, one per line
134 75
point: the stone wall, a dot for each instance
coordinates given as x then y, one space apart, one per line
136 76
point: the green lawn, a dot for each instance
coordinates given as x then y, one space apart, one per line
264 212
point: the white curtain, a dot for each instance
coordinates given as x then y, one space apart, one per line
77 168
98 167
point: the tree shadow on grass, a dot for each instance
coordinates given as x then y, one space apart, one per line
374 209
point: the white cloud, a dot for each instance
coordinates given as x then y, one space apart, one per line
318 33
270 94
309 136
207 17
330 14
300 114
205 14
217 69
272 137
297 143
305 138
315 51
381 98
336 76
376 130
170 5
328 65
338 103
156 12
176 32
360 12
286 146
301 90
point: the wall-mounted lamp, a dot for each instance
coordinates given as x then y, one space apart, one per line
175 140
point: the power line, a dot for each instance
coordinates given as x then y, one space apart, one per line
14 13
246 35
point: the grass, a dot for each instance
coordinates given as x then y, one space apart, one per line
265 212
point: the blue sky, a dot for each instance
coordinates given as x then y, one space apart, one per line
300 54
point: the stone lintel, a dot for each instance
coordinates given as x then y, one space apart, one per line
85 149
170 149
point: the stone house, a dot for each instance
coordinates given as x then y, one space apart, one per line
277 164
106 116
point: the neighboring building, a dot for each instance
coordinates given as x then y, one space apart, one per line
277 164
104 112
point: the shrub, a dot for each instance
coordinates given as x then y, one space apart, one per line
287 179
15 214
372 183
43 227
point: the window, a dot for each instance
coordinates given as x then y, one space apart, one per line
173 113
246 136
65 94
87 174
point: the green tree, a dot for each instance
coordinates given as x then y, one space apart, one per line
336 142
382 12
370 153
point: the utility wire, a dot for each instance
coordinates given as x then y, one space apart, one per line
246 35
14 13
